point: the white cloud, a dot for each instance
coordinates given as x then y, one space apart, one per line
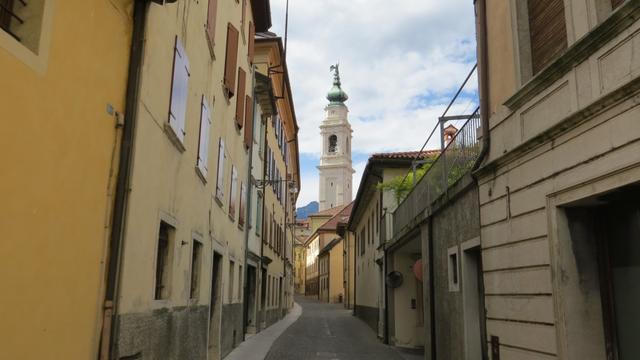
400 62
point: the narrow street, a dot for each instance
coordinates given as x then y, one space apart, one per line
328 331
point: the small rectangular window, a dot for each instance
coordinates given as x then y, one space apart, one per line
196 264
231 60
233 192
452 254
164 257
243 204
220 172
240 98
240 283
547 31
211 23
179 91
259 215
252 41
248 120
232 266
203 142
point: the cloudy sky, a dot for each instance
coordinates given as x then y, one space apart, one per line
400 62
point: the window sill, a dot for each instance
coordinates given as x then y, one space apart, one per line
582 49
173 137
202 176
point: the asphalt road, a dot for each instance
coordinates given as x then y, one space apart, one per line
329 332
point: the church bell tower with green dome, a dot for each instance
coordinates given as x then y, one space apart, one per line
336 170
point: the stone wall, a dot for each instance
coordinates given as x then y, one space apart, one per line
170 334
231 329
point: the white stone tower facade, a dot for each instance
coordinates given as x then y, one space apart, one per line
336 170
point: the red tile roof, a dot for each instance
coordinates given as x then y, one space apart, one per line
341 217
329 212
406 154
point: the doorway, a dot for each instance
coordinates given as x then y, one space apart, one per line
472 300
214 307
251 300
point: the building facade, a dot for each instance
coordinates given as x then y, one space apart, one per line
335 169
62 118
558 189
281 181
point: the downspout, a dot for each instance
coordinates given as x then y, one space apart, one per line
109 329
483 58
245 312
355 274
432 292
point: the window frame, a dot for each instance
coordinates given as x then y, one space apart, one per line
202 162
178 99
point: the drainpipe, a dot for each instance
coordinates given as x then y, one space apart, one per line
432 292
264 218
245 312
109 329
483 57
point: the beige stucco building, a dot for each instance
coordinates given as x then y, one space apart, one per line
558 188
64 91
181 271
280 185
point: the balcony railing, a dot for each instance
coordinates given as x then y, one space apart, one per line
456 160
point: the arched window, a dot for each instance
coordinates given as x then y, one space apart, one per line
333 143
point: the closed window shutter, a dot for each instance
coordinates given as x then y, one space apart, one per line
616 3
242 81
211 21
548 32
179 90
243 204
231 60
252 41
248 122
232 194
220 172
203 146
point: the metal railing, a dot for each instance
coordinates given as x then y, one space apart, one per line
456 160
8 16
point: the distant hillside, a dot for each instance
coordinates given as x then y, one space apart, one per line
303 212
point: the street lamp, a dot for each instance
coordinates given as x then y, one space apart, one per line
291 184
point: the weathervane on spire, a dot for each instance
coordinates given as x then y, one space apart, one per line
336 72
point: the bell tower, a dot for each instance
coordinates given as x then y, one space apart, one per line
336 170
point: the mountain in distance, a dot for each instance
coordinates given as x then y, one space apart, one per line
303 212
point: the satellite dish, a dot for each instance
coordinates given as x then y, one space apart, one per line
394 279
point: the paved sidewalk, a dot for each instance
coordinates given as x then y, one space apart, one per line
257 346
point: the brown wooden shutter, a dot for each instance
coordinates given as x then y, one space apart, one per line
548 31
231 60
211 21
248 122
616 3
244 16
252 41
242 82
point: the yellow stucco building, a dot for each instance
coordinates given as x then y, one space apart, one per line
64 79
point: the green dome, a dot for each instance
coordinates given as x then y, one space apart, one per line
336 95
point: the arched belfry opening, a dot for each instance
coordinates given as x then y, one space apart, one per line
333 144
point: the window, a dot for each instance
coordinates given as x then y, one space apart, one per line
232 269
333 144
22 19
243 204
179 91
616 3
452 254
252 42
231 60
163 261
248 122
203 145
211 23
220 175
243 20
242 82
547 32
240 283
362 241
259 215
232 193
196 262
